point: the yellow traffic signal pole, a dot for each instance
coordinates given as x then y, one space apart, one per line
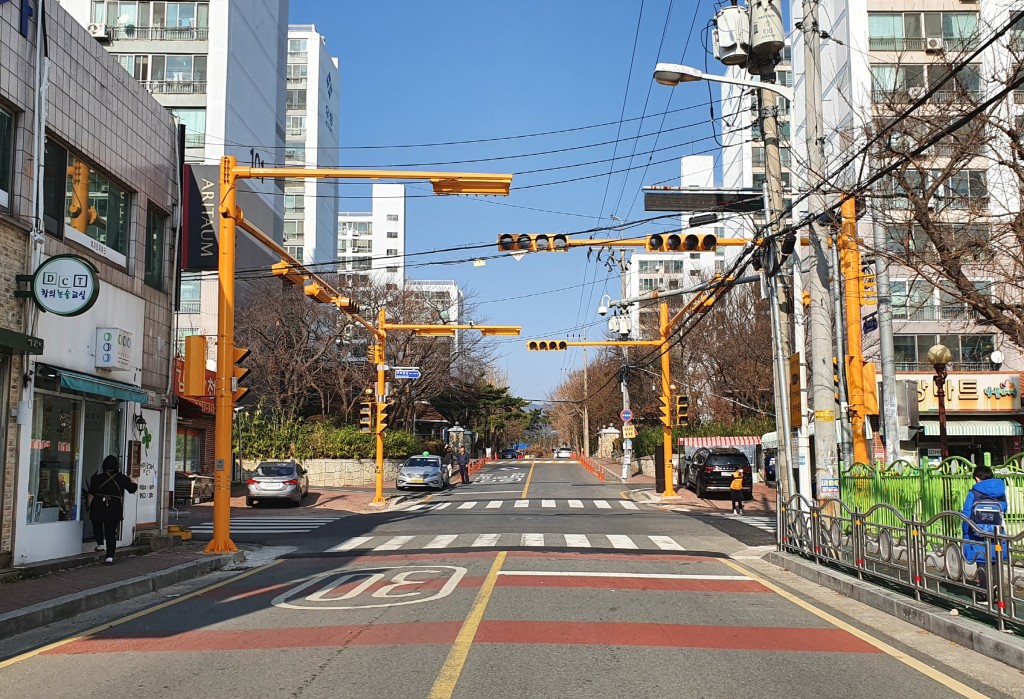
230 216
850 258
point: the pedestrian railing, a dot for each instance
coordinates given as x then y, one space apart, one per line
923 555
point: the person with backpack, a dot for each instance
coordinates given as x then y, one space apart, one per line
984 508
736 490
106 504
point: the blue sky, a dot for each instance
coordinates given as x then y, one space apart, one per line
419 73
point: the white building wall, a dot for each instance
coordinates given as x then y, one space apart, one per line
389 218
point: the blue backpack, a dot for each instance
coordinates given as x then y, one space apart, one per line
986 512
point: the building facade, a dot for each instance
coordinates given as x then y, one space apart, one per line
87 361
373 243
311 129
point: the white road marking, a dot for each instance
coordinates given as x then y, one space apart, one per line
665 543
442 505
547 503
522 503
353 543
394 543
577 541
602 574
628 505
576 503
416 507
494 504
602 505
621 541
441 541
532 540
467 505
486 540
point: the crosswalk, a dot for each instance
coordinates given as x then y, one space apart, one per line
623 542
767 523
542 503
268 525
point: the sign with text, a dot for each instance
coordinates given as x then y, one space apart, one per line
628 431
113 349
65 285
407 372
993 392
205 404
199 223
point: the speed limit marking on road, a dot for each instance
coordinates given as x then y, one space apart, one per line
368 588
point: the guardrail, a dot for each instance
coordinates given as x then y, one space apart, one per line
922 556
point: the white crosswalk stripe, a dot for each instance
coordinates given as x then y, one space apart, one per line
602 505
494 504
267 525
546 503
653 543
766 523
576 503
466 505
522 503
628 505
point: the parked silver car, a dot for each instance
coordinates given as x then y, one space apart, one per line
423 472
276 480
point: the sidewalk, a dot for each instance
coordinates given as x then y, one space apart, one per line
319 501
51 596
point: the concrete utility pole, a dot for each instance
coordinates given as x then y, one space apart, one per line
819 313
627 452
890 416
586 404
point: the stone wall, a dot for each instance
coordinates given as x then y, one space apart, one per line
337 473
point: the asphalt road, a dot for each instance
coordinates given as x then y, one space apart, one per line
549 584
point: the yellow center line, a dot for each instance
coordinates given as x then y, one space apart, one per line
445 683
943 679
131 617
529 475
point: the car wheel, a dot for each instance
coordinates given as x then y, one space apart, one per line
249 502
699 489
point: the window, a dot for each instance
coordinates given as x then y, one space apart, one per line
297 72
195 125
343 245
362 246
294 229
391 269
6 156
296 47
189 295
189 452
295 251
392 252
908 31
392 234
759 180
648 284
294 202
912 300
156 227
392 217
970 352
181 14
295 99
362 264
295 152
85 200
53 472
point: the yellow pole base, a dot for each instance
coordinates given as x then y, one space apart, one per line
669 492
378 500
223 545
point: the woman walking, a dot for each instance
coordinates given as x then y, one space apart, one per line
106 504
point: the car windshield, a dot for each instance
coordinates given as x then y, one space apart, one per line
275 470
421 463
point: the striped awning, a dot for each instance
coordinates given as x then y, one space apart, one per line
974 428
719 441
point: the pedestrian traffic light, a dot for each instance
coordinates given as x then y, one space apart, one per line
674 242
366 412
382 416
541 242
540 345
194 375
683 411
238 374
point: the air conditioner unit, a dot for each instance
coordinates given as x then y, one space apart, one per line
98 31
933 44
915 93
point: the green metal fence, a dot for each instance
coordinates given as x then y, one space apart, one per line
921 491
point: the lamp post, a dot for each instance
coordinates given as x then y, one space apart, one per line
939 356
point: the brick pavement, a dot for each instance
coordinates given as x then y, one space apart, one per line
319 501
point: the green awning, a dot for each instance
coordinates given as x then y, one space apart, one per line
101 387
974 428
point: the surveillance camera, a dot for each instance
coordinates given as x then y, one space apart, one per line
602 310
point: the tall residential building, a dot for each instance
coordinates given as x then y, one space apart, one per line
373 243
311 130
888 56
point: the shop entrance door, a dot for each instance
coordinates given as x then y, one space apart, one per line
101 435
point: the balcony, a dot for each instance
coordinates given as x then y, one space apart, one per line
296 79
297 133
188 306
175 87
952 366
934 313
912 94
195 140
920 44
130 33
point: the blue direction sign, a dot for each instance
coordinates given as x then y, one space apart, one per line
626 415
407 372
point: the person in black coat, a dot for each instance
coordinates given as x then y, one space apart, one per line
106 504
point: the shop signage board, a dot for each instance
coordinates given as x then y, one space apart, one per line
995 392
206 404
65 285
113 349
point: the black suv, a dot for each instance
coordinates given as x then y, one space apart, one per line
710 470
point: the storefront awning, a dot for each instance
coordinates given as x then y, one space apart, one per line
100 387
974 428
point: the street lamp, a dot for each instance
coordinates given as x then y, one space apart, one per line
939 356
672 74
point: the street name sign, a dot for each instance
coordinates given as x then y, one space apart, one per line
407 372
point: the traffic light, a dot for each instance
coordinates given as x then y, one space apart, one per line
666 411
238 374
288 273
382 416
683 411
373 355
835 376
868 285
541 242
366 413
675 242
195 365
540 345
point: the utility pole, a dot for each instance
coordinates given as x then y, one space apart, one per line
890 416
586 404
818 316
627 451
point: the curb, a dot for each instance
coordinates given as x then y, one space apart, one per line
988 641
67 606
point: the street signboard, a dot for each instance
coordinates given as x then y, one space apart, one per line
695 199
626 415
407 372
628 431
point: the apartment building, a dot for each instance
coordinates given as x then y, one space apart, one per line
311 131
889 56
373 243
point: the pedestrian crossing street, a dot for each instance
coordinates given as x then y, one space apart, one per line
427 542
767 523
543 503
268 525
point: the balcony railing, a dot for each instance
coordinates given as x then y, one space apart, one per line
195 140
952 366
175 87
159 33
189 306
908 95
919 44
301 133
1018 96
932 313
296 79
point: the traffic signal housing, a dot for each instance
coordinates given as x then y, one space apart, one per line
676 242
683 411
382 417
541 345
195 366
835 376
238 374
540 242
366 410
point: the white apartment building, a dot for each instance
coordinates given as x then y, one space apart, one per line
888 55
311 126
373 243
443 299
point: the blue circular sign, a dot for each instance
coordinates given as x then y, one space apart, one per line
626 415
